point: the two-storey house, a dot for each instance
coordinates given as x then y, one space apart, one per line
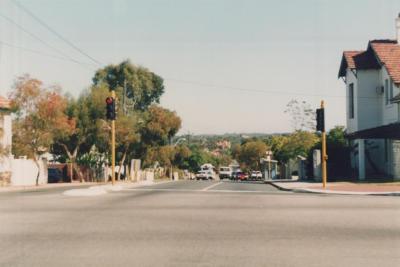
372 79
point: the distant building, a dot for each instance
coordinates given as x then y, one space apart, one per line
372 79
223 144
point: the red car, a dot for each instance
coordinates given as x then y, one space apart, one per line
242 176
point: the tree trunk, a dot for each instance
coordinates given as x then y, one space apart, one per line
121 163
72 159
127 172
38 174
71 171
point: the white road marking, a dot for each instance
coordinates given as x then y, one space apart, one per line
211 186
202 190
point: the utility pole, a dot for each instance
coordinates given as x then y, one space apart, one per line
321 127
111 115
123 98
113 142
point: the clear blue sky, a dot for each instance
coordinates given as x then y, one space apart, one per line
289 49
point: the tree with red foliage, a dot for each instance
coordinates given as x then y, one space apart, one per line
40 117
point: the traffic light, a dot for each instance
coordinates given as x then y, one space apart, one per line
320 120
110 108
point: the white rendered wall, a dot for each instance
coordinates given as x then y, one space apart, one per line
369 111
24 172
389 112
351 124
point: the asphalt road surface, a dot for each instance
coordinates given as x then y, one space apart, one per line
199 223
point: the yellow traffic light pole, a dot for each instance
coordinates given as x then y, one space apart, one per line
324 156
113 143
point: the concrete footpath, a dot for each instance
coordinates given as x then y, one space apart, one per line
340 188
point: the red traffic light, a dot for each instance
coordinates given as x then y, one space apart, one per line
109 100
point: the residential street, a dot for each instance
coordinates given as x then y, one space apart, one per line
198 223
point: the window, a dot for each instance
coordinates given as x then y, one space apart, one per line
386 150
391 89
387 93
351 101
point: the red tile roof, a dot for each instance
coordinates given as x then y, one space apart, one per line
349 57
379 53
388 54
4 103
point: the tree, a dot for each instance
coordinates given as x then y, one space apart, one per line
164 155
40 116
302 115
182 155
91 128
290 146
141 86
160 126
338 150
251 152
235 151
126 137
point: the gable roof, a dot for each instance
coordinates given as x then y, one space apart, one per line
388 53
379 53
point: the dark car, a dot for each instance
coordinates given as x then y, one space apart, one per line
54 175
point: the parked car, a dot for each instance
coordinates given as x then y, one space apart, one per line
225 172
54 175
235 174
242 176
255 175
205 175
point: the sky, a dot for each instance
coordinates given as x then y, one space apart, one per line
229 66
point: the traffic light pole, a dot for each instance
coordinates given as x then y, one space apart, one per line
113 145
324 156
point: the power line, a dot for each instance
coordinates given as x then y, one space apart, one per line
37 38
41 22
201 84
42 53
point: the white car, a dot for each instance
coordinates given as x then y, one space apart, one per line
225 172
256 175
205 175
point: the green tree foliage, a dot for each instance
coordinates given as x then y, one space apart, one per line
286 147
164 155
338 151
182 155
160 126
336 136
143 87
126 138
87 111
250 154
235 151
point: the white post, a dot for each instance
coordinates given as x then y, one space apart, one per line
361 159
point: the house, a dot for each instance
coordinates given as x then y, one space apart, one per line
372 79
5 141
20 171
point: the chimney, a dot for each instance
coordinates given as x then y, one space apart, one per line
398 29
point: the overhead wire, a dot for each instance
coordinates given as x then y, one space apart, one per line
200 84
45 25
37 38
276 92
42 53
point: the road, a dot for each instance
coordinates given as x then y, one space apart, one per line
199 223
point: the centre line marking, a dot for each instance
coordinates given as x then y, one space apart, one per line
211 186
